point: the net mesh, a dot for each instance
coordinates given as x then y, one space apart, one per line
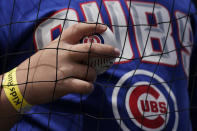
100 117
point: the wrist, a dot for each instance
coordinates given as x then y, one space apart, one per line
13 93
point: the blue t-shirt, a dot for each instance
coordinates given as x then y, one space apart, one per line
146 88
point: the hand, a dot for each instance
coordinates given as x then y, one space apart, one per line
65 58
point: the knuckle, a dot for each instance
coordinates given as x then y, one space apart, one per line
92 74
93 47
91 71
86 47
71 51
75 29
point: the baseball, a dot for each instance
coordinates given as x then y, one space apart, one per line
102 64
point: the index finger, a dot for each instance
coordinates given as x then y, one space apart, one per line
82 52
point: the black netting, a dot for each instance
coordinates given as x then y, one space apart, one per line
192 77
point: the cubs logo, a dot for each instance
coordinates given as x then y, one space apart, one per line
145 101
97 38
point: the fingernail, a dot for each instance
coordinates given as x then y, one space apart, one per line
117 51
103 27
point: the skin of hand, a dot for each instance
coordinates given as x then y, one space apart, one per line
58 69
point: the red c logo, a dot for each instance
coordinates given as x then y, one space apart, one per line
133 103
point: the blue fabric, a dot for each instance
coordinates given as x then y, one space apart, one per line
96 111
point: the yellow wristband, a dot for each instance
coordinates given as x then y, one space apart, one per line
13 93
